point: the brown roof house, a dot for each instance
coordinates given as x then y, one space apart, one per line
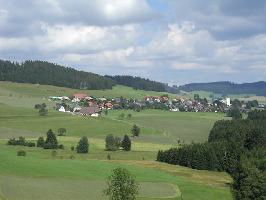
93 111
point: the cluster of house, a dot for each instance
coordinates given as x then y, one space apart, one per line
82 104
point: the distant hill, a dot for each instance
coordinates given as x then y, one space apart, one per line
143 84
45 73
225 87
52 74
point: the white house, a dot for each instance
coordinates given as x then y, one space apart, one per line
228 102
62 109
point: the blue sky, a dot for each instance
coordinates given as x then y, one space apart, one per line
165 40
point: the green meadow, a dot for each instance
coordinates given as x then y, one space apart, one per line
65 174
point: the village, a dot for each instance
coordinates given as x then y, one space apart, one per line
83 104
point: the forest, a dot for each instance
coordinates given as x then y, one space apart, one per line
143 84
235 146
41 72
225 87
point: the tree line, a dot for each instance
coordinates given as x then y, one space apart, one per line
42 72
139 83
46 73
237 147
225 87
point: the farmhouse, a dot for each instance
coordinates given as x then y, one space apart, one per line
79 96
93 111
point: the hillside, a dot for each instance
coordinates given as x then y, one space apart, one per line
225 87
80 176
46 73
143 84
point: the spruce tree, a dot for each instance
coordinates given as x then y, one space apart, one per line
51 141
126 143
83 145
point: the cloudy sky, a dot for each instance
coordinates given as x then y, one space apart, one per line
174 41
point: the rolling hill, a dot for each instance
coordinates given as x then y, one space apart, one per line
225 87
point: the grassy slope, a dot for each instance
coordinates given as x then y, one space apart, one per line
41 165
174 125
158 131
31 90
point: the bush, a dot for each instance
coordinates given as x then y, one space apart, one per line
60 146
110 143
61 132
83 145
30 144
21 153
12 141
40 142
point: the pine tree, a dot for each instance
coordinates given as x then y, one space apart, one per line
83 145
126 143
51 141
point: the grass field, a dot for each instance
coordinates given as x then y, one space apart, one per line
68 175
63 177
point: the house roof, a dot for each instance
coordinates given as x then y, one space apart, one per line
80 95
89 110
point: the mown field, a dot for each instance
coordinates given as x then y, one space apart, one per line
68 175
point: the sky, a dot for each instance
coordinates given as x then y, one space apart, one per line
172 41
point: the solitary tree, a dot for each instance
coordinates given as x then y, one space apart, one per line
51 141
121 185
83 145
43 111
135 130
110 143
126 143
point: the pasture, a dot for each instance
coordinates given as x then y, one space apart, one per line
61 177
68 175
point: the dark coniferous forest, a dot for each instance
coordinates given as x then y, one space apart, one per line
225 87
139 83
41 72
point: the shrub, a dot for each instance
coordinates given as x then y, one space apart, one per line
83 145
21 153
30 144
61 131
60 146
110 143
40 142
12 141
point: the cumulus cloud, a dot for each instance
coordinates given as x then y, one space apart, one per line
187 40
